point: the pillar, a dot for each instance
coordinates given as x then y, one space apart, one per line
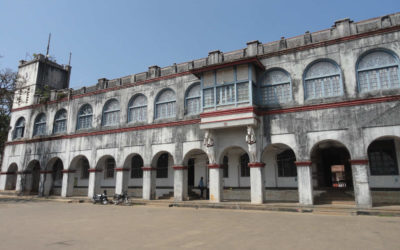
257 182
149 183
304 180
94 182
45 183
20 179
215 182
67 183
362 193
3 180
121 181
180 183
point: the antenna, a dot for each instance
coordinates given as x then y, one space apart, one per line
69 61
48 46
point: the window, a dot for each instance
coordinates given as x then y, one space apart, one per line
322 79
378 70
276 87
192 100
136 167
85 115
225 167
19 128
137 109
382 158
40 125
244 165
111 113
165 104
162 166
60 122
84 168
110 166
286 165
57 170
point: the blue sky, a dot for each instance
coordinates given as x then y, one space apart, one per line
117 38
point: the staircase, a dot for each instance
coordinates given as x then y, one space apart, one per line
167 196
193 195
335 197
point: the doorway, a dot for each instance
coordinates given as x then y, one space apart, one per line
191 173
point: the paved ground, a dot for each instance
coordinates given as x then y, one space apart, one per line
59 225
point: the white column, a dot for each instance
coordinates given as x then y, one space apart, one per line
67 183
94 182
180 183
18 186
121 181
215 182
304 180
149 183
3 180
45 183
257 182
362 191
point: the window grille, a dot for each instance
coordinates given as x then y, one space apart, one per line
136 167
208 97
276 87
85 115
225 167
165 104
226 94
57 170
19 128
111 113
192 100
378 70
162 166
40 125
110 166
84 168
244 165
60 122
286 164
137 109
382 158
323 79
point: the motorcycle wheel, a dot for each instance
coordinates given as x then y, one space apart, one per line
105 202
127 202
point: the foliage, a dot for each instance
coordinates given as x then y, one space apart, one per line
44 93
8 80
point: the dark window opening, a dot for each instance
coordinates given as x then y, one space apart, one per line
382 158
286 165
244 165
136 167
225 167
110 166
162 166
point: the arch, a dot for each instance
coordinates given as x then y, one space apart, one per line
383 156
19 130
377 69
193 99
85 116
53 176
60 122
196 160
137 108
111 112
276 87
39 127
165 104
31 177
80 164
11 178
322 78
226 162
162 161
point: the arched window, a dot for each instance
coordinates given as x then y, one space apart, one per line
276 87
225 167
84 168
137 109
136 167
382 158
19 128
244 165
322 79
40 125
57 170
85 115
162 166
378 70
60 122
165 104
111 113
192 100
286 165
110 166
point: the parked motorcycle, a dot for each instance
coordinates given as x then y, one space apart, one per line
121 198
100 198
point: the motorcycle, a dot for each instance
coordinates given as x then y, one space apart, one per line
122 198
101 198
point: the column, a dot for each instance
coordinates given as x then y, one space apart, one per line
94 182
3 180
20 179
67 183
362 193
304 180
45 183
180 183
149 183
121 181
257 182
215 182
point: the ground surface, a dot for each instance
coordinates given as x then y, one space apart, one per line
58 225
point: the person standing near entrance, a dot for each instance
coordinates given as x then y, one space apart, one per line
201 187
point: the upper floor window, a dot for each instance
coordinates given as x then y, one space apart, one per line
111 113
276 87
85 115
60 122
19 128
192 99
378 70
286 164
322 79
137 109
244 165
165 104
40 125
110 166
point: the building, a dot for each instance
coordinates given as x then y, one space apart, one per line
299 119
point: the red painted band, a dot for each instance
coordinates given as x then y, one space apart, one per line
234 119
302 163
7 173
46 172
121 169
214 166
180 167
256 164
93 170
148 169
358 162
66 171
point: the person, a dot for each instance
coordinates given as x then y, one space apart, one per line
201 187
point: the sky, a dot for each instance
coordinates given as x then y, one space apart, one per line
116 38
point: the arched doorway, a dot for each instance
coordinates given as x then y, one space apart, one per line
196 161
79 174
163 162
11 179
31 178
332 173
105 175
133 179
